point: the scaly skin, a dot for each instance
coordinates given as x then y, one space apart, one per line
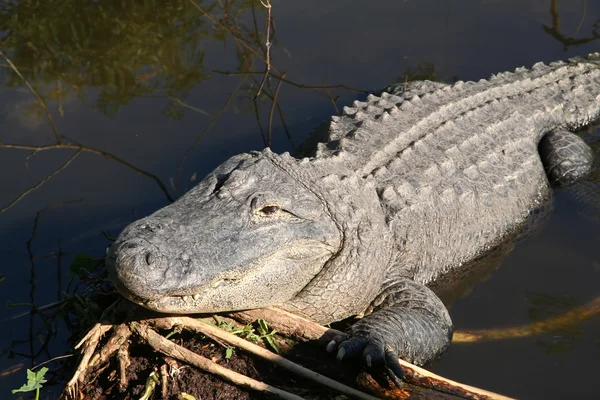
403 192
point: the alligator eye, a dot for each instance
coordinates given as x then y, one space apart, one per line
269 210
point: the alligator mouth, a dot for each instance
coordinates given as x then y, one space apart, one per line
187 304
184 301
228 293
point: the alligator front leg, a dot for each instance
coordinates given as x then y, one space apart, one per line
408 320
566 157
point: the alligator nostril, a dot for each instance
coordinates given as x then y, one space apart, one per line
149 258
130 245
150 227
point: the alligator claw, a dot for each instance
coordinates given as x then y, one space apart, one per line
372 350
354 345
392 364
332 346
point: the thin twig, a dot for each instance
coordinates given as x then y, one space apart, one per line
35 93
285 128
186 105
92 332
91 340
171 349
275 102
337 110
254 23
258 121
272 110
239 40
201 136
59 98
128 165
119 337
46 179
583 14
267 5
289 82
52 359
80 147
124 363
164 381
205 328
41 308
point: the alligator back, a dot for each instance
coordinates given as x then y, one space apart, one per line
457 167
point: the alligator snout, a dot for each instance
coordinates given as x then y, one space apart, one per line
145 254
139 268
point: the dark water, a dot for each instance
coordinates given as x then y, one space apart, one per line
137 85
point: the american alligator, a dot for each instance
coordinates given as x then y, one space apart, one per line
403 190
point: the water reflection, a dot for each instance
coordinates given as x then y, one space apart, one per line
544 306
106 54
116 50
567 40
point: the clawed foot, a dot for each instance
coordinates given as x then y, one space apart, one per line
408 319
371 349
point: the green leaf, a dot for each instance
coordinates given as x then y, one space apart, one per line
175 331
35 380
82 265
151 383
264 328
272 343
228 352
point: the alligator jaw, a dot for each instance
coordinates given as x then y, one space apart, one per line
230 293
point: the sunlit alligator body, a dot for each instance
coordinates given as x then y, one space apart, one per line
403 190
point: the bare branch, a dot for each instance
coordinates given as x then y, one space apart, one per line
207 329
90 341
186 105
236 36
272 110
259 122
214 120
303 329
583 14
292 83
171 349
337 110
46 179
81 148
267 5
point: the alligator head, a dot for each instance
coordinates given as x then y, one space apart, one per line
248 235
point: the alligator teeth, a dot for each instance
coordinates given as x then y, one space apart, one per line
196 296
185 298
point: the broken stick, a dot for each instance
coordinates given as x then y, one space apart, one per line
165 346
211 330
302 329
